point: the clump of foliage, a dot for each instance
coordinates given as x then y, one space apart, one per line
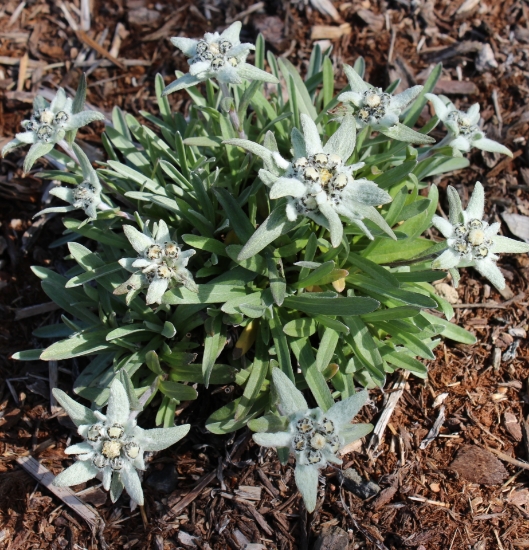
274 210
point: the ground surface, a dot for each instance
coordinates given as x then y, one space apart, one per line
424 504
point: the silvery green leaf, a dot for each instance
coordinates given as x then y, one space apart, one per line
355 432
447 260
13 144
505 245
311 135
343 141
250 72
402 132
25 137
267 177
156 291
188 46
490 271
138 240
77 412
158 439
64 193
291 399
273 227
131 481
86 167
355 80
307 482
455 276
116 488
118 408
83 118
275 440
402 100
486 144
58 101
455 209
440 108
79 449
284 187
185 81
298 143
335 224
77 473
254 148
343 412
461 143
36 151
444 226
476 205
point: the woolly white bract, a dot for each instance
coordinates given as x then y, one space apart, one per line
381 111
48 125
464 132
471 240
318 182
219 56
114 444
312 435
85 196
160 264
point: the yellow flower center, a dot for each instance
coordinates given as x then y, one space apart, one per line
476 237
317 441
111 449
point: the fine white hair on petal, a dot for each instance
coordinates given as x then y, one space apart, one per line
476 204
444 226
490 271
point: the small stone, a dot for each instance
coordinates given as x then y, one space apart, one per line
354 483
485 59
164 480
477 465
333 538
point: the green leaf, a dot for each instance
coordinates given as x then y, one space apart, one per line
412 342
276 277
281 344
27 355
207 294
273 227
220 374
395 175
326 348
178 391
311 303
152 361
373 270
222 421
299 328
204 243
417 106
364 346
403 361
213 345
451 330
316 275
235 214
76 346
391 313
93 275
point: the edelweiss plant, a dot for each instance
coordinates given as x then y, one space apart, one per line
51 123
259 243
160 264
464 132
114 444
471 240
85 196
314 436
380 110
219 56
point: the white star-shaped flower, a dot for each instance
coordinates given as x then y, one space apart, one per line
160 264
85 196
312 435
219 56
463 130
381 111
48 125
114 444
471 240
318 182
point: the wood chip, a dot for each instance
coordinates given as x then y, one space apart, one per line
512 426
90 42
477 465
45 477
332 32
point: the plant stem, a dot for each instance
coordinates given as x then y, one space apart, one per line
234 116
429 153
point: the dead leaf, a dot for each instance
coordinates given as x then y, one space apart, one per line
518 225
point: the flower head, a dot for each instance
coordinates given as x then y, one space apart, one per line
85 196
373 107
463 130
48 125
219 56
114 444
313 436
471 240
160 263
318 182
